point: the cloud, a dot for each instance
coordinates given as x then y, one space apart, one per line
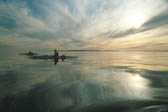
74 24
157 21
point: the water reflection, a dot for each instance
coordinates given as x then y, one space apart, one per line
62 59
84 85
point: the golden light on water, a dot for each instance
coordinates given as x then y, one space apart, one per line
137 56
138 85
137 82
136 78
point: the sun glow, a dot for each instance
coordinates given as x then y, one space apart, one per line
136 19
137 22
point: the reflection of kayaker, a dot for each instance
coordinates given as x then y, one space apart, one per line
28 54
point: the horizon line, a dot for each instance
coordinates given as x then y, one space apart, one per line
113 50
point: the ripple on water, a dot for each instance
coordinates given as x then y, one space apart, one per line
154 108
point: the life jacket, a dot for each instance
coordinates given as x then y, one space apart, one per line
57 54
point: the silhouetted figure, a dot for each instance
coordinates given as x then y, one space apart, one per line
30 53
56 53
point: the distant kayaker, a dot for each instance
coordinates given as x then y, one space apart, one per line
30 52
56 53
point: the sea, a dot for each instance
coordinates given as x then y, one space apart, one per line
107 81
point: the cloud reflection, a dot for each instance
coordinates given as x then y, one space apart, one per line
92 83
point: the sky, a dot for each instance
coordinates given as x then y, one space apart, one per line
84 24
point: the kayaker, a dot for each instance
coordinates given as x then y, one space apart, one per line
30 53
56 53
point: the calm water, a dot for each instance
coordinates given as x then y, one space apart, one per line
95 82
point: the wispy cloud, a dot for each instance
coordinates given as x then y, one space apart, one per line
84 24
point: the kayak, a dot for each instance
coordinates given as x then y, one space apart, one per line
28 54
52 57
